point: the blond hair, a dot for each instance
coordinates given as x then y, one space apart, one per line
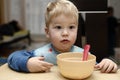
60 7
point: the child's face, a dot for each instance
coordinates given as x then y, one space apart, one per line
62 32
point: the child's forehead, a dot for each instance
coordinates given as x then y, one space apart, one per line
64 16
64 19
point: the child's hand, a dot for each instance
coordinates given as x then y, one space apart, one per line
107 66
36 64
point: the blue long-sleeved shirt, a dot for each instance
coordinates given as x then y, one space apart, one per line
18 59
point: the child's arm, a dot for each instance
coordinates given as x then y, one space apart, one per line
18 60
24 61
107 66
36 64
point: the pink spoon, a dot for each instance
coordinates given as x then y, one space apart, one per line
85 52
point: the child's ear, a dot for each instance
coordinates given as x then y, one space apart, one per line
47 32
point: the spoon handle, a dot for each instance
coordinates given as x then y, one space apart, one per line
85 52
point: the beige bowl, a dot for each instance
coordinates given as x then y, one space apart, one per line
71 66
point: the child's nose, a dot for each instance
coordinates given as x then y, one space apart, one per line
65 32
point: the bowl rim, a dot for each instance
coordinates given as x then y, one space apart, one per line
75 60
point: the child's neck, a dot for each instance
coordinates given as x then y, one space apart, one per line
60 51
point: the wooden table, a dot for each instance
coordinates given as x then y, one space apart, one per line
7 74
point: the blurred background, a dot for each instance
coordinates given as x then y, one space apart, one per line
22 26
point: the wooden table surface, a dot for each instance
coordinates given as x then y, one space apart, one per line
7 74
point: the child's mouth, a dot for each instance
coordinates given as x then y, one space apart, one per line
65 41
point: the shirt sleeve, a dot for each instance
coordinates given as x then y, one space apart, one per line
18 60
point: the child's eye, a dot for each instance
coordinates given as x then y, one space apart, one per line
58 27
71 27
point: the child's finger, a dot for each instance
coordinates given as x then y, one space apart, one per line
46 64
110 68
100 65
105 66
41 58
44 68
115 68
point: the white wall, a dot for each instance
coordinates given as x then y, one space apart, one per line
29 13
34 15
13 10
